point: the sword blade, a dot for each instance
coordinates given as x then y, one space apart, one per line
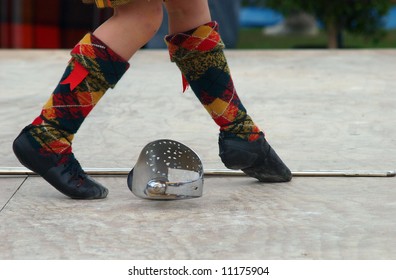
20 171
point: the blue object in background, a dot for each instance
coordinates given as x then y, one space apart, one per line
259 17
390 19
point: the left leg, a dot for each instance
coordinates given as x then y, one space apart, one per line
97 63
196 47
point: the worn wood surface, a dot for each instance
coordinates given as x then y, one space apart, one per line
319 109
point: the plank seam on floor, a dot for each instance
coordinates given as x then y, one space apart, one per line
8 201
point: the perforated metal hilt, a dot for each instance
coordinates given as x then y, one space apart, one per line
167 169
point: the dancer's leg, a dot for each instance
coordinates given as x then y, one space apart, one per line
131 26
98 61
198 52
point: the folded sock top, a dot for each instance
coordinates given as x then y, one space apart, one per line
202 39
101 61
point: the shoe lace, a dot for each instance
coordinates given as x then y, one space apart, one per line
73 167
71 164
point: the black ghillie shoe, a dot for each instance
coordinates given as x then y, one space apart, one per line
256 159
63 172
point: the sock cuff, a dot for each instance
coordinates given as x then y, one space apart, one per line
202 39
100 60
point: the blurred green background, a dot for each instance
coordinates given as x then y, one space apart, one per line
290 24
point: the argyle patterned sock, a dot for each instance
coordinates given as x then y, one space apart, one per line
92 70
199 55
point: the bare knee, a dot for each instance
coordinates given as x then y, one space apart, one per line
149 14
185 15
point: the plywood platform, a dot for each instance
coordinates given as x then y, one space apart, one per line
321 110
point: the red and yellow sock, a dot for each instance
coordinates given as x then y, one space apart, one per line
199 55
92 70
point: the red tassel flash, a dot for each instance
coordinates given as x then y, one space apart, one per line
185 83
76 76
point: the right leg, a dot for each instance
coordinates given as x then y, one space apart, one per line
196 47
98 61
